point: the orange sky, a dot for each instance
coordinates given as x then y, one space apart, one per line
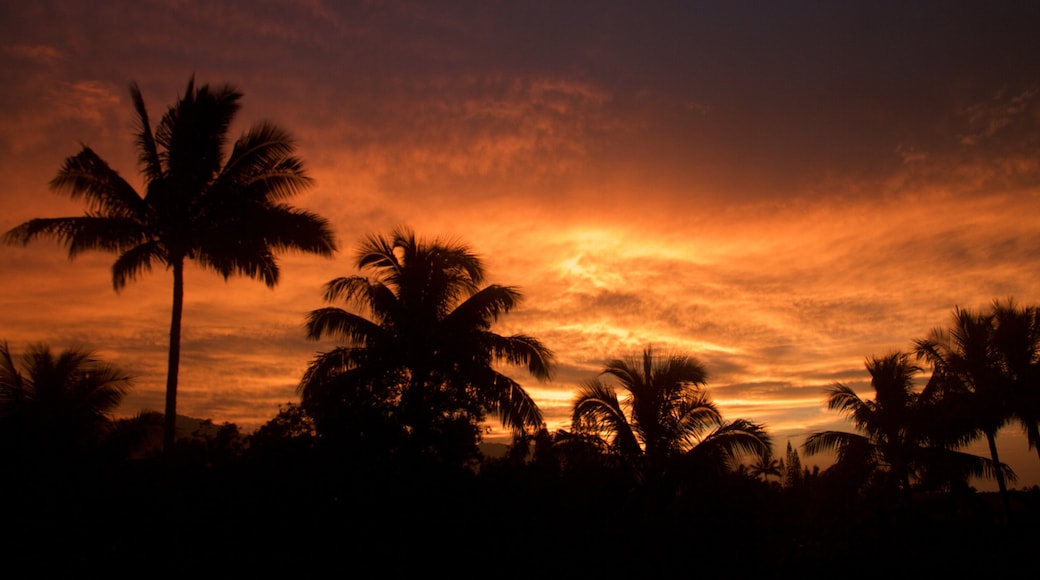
780 191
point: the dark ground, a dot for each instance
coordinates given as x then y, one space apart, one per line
296 521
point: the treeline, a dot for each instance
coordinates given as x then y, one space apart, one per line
353 476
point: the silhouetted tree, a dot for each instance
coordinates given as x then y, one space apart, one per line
54 408
765 466
419 357
971 383
1016 339
895 425
792 468
211 446
291 422
667 415
290 436
227 215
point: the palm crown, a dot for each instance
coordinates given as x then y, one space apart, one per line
985 374
900 429
422 336
56 403
223 210
667 413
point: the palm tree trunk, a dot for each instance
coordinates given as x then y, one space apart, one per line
1001 484
173 365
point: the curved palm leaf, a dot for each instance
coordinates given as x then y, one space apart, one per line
733 439
88 176
832 442
597 410
508 401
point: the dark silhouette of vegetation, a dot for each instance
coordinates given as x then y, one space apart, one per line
765 467
666 418
281 501
417 373
225 211
896 447
1016 337
56 408
984 375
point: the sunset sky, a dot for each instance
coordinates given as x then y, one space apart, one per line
780 189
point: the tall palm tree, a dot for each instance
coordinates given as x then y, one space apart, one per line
55 406
1016 338
894 426
224 211
666 415
418 342
970 380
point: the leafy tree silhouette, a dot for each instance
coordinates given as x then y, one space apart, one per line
1016 338
971 382
56 407
765 466
793 476
898 440
418 366
227 215
667 415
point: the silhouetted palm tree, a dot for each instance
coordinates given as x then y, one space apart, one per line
419 345
765 466
895 426
226 214
666 415
968 377
1016 338
53 407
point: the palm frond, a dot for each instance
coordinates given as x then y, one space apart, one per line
377 253
298 231
739 437
510 402
681 370
521 349
842 398
252 260
133 262
830 442
88 176
325 366
147 152
483 307
262 164
331 321
79 234
937 463
694 416
626 374
597 410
